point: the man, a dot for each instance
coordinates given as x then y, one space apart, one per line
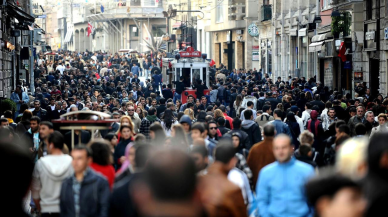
95 95
265 117
161 108
32 137
199 154
135 69
166 91
147 67
245 142
114 128
299 120
161 179
280 126
359 118
221 125
19 97
212 131
135 119
38 111
85 193
250 105
49 173
339 111
334 195
274 102
8 116
45 129
261 154
147 121
274 194
249 98
190 99
204 104
179 88
61 68
376 181
227 118
199 131
221 197
3 122
251 128
331 119
220 93
121 201
370 122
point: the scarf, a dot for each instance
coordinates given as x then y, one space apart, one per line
10 121
152 118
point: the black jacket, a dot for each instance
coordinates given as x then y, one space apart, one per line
223 129
94 196
318 103
167 94
114 128
179 87
376 192
274 102
254 133
159 110
121 202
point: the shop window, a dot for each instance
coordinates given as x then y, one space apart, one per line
220 11
158 30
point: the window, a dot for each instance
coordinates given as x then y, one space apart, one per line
220 11
134 31
265 2
142 3
159 30
326 4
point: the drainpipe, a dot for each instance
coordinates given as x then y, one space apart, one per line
121 36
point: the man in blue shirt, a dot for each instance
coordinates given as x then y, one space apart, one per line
135 69
280 186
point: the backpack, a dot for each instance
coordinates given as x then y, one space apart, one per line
267 117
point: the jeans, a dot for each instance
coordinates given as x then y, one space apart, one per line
177 96
147 72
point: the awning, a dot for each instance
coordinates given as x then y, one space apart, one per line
321 37
19 14
316 46
302 32
178 25
69 33
293 32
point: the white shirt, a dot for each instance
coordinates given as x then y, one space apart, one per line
299 121
239 178
60 68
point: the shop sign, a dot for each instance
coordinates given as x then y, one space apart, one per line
255 47
253 30
190 52
255 56
358 76
347 65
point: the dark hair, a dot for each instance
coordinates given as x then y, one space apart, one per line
3 120
198 126
291 117
344 129
8 114
152 111
48 124
339 123
278 112
304 150
101 153
83 148
162 101
199 149
248 114
308 105
249 103
110 136
360 129
222 108
160 136
269 130
122 127
57 139
201 117
221 121
327 184
171 176
266 108
224 151
236 123
168 118
35 118
341 139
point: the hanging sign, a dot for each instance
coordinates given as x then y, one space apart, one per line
190 52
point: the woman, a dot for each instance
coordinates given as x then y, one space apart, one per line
126 168
112 139
294 128
124 120
201 117
237 103
178 105
190 113
197 107
102 159
382 118
140 112
23 107
179 138
157 134
168 121
309 97
126 132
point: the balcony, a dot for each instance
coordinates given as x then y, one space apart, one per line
266 12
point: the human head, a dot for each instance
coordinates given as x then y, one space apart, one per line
382 118
34 124
236 139
82 158
101 153
360 112
212 129
377 156
126 131
185 121
199 154
4 122
335 195
269 131
306 137
45 129
225 154
248 114
369 116
351 158
157 134
282 148
55 142
198 131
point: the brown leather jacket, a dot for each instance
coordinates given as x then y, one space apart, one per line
260 155
220 197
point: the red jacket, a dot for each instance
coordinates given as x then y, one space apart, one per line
229 119
107 171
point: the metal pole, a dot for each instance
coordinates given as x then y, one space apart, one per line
31 68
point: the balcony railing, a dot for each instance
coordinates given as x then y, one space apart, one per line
266 12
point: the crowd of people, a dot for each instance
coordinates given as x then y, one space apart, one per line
253 146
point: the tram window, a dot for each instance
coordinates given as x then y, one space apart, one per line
186 76
204 75
196 75
177 74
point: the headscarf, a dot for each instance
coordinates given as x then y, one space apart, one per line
126 164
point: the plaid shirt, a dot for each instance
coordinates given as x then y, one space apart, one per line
243 166
145 127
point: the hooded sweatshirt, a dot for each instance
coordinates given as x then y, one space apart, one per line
253 131
49 173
